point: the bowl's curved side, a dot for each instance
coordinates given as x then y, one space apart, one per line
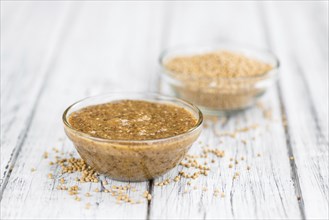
133 162
225 95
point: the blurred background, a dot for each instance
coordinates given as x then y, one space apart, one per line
114 45
62 51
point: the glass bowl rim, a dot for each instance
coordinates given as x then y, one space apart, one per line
170 99
237 46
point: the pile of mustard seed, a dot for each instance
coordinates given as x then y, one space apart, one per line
86 174
193 166
221 80
132 120
218 64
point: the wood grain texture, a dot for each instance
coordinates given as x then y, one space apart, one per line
55 53
82 70
29 49
306 104
266 191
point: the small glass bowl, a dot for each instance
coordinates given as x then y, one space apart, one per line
218 95
132 160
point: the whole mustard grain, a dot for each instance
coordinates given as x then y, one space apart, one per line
127 193
217 64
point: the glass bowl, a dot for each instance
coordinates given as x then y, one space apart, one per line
216 95
132 160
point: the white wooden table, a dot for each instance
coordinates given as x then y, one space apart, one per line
54 53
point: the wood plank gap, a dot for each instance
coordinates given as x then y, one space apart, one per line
205 215
293 167
150 190
293 170
167 21
320 137
64 30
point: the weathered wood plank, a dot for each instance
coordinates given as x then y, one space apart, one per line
304 88
98 56
106 50
29 46
266 191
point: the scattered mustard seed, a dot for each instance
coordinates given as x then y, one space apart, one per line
87 205
62 180
105 182
45 155
74 165
88 194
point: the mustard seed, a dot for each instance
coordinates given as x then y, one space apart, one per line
104 182
88 205
45 155
88 194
